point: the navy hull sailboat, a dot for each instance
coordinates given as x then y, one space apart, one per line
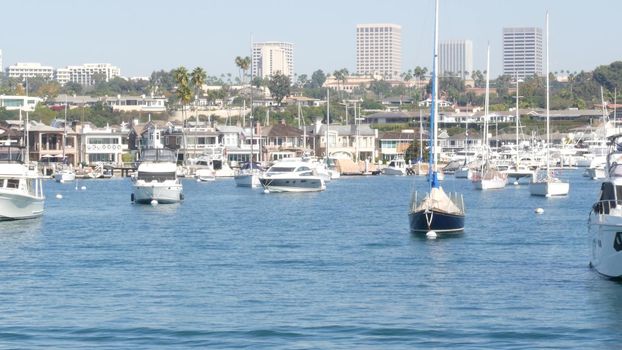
436 211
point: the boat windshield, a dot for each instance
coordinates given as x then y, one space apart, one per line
149 176
10 155
158 155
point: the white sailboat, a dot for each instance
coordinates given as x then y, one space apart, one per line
518 170
65 173
488 177
546 183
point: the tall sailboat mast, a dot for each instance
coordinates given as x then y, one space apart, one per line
434 106
548 131
517 116
486 105
327 120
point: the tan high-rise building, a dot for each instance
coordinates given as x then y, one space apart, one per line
379 50
456 58
271 57
522 52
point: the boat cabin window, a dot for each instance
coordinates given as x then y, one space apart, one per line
12 183
281 169
392 163
151 176
303 168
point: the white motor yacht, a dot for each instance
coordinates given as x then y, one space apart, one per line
605 220
156 178
21 188
292 176
396 167
65 174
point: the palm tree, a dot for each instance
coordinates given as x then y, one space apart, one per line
244 64
183 89
197 78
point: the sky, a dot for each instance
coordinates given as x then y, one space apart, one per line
140 36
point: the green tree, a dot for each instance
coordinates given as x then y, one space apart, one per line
183 91
318 78
243 64
279 86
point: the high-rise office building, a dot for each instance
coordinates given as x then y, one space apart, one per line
456 58
88 73
522 52
271 57
379 50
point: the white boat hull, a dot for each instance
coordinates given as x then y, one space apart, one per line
394 171
606 244
247 180
490 184
596 173
65 176
309 184
549 188
16 206
162 193
464 173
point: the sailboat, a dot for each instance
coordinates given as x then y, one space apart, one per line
435 211
518 170
546 184
487 176
64 173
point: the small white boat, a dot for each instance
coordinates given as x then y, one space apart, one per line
396 167
205 174
248 175
292 177
548 186
65 174
488 179
464 172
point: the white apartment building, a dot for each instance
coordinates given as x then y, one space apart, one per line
29 70
456 58
62 76
379 50
522 51
271 57
85 73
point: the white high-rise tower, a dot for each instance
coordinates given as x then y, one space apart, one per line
522 52
379 50
456 58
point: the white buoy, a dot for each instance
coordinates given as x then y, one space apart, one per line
83 188
431 235
539 210
198 180
515 183
266 191
154 202
59 196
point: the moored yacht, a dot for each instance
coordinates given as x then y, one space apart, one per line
605 220
21 187
156 180
396 167
248 175
292 176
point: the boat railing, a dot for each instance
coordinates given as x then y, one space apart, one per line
606 207
456 198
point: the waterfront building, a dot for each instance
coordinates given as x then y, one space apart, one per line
29 70
394 144
271 57
89 73
147 104
102 145
46 143
15 103
379 50
356 140
522 52
456 58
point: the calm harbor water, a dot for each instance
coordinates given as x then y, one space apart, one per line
236 268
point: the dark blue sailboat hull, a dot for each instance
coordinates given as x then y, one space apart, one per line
439 222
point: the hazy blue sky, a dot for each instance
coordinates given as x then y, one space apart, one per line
141 36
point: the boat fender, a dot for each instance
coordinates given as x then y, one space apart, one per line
132 197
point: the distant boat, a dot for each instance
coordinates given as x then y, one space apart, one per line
605 219
248 175
488 176
546 183
292 176
65 173
395 167
436 211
